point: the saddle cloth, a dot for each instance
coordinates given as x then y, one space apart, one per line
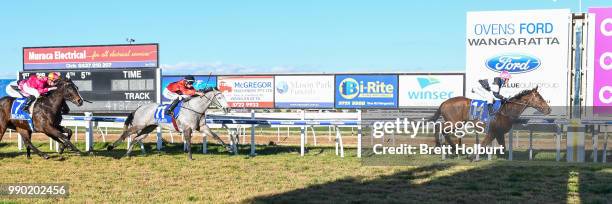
161 116
480 111
17 112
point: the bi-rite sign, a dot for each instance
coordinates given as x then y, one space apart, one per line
366 91
531 45
90 57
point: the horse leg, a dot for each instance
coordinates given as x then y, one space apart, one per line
206 130
68 133
26 136
57 135
137 139
488 139
140 137
449 140
187 134
2 130
130 131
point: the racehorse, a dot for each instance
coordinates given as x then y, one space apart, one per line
457 109
46 117
142 122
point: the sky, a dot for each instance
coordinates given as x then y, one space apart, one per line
263 36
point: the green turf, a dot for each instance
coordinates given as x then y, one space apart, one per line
279 175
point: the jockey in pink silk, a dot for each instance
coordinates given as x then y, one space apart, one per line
36 85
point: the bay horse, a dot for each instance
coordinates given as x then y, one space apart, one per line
141 122
46 116
457 109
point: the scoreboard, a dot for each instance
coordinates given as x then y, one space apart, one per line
112 91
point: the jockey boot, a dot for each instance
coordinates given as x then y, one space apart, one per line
491 111
172 106
29 101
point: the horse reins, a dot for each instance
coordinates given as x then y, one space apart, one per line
520 103
202 113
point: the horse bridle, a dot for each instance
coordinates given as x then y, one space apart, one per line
521 103
217 105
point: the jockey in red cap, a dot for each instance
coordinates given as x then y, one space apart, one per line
177 91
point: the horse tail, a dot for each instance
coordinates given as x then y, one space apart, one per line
128 121
437 114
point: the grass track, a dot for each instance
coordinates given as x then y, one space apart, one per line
278 174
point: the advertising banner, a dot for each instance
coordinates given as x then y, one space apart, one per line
248 91
3 84
532 45
602 60
428 90
201 82
309 91
366 91
91 57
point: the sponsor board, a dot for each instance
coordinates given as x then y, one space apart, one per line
201 82
533 46
3 84
601 60
366 91
111 91
91 57
247 91
309 91
428 90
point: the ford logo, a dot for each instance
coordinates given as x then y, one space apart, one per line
513 63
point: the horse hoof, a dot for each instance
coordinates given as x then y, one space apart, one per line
45 157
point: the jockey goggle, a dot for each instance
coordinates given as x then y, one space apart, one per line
189 82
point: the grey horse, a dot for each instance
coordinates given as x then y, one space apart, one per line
142 122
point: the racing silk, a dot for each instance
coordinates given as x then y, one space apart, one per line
180 88
34 82
494 86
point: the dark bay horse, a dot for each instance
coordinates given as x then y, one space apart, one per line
46 115
457 110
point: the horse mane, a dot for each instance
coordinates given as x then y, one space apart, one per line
209 89
521 94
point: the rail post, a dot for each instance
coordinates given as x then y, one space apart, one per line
594 138
339 141
530 144
302 134
558 141
19 142
204 143
88 132
253 134
478 142
605 146
511 143
359 133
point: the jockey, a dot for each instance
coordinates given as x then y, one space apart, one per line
37 85
491 90
177 91
12 89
